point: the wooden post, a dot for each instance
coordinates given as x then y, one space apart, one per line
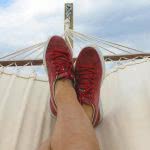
68 21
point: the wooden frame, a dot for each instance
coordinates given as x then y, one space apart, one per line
39 62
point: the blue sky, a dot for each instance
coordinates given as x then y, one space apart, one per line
25 22
4 3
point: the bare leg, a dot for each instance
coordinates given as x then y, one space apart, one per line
73 130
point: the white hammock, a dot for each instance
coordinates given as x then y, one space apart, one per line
25 119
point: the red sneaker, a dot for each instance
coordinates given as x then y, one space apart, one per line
89 73
59 64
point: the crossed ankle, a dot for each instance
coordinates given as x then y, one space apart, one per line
63 83
63 87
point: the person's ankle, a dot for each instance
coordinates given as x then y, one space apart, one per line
62 83
61 87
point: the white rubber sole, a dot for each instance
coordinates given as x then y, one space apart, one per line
44 59
103 77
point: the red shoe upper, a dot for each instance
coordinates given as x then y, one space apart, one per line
59 63
88 74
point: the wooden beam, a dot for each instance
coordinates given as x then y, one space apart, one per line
13 63
125 57
40 61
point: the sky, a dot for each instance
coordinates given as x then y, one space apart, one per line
26 22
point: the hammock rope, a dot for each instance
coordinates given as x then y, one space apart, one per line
107 42
80 38
22 51
74 40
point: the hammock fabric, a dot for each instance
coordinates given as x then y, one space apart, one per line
25 119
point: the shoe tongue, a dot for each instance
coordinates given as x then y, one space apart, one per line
65 75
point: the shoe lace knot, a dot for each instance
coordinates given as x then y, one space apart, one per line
59 60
